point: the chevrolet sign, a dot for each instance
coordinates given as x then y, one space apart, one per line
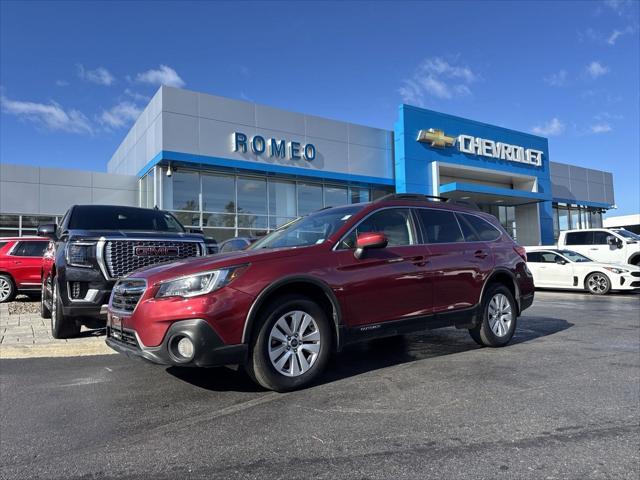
482 147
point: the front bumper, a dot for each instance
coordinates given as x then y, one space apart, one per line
626 281
209 349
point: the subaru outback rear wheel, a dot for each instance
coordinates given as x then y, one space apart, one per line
292 346
499 312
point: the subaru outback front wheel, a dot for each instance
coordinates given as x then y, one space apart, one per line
292 346
499 314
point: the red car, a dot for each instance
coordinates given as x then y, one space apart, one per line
340 275
20 266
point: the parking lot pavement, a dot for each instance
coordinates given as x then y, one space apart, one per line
562 401
24 334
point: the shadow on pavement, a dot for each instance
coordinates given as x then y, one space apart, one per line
376 354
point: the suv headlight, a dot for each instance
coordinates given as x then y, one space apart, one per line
79 254
197 284
616 270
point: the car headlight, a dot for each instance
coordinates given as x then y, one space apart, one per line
616 270
80 254
197 284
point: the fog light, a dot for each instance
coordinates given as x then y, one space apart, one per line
185 347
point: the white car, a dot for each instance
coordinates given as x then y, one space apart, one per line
566 269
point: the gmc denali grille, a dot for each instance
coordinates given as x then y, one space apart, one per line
122 257
126 294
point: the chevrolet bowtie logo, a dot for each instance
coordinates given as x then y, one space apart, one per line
436 138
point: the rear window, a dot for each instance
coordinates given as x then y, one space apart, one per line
483 230
122 218
439 226
30 249
579 238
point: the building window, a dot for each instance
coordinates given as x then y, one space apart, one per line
567 217
23 225
335 196
309 198
218 193
186 190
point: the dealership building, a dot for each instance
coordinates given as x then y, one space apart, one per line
237 168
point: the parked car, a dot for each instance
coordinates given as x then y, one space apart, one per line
566 269
236 243
94 246
340 275
20 265
608 245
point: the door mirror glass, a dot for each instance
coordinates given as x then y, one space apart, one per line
614 241
369 240
47 230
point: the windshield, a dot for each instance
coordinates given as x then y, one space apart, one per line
574 256
308 230
627 234
97 217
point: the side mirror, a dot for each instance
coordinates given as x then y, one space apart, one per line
561 261
614 241
47 230
366 241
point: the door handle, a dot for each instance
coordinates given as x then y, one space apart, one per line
17 262
480 254
420 261
593 248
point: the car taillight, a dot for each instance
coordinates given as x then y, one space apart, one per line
521 251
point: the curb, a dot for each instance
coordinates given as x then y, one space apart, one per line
54 350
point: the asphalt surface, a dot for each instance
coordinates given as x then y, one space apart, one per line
562 401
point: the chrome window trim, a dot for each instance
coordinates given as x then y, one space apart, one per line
413 231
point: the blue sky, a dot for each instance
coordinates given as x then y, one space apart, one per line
73 76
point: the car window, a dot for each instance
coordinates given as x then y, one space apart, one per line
439 226
534 257
579 238
468 231
548 257
486 232
575 256
600 238
30 249
395 223
233 245
627 234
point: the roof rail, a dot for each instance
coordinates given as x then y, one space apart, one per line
410 196
464 203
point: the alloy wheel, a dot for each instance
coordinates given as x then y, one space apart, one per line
500 315
5 289
597 283
294 343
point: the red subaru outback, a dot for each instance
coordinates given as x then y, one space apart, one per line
340 275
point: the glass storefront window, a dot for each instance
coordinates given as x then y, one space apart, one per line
218 193
186 190
10 221
258 222
218 220
32 221
219 234
379 193
309 198
252 196
359 194
563 218
275 222
335 196
188 219
556 226
282 198
575 218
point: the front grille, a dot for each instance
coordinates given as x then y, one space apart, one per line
123 336
122 257
635 274
126 295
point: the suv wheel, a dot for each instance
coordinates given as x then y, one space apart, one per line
61 327
292 346
499 314
598 283
7 289
44 310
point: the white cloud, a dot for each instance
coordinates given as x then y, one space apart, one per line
61 83
558 79
138 97
550 128
51 116
596 69
163 76
600 128
100 75
437 78
613 38
120 115
618 6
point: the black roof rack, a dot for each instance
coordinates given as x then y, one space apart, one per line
410 196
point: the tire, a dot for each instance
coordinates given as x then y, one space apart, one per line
61 327
295 363
44 311
597 283
496 332
7 288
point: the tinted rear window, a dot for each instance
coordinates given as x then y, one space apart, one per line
579 238
122 218
439 226
485 231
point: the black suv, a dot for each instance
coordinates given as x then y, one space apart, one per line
93 247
